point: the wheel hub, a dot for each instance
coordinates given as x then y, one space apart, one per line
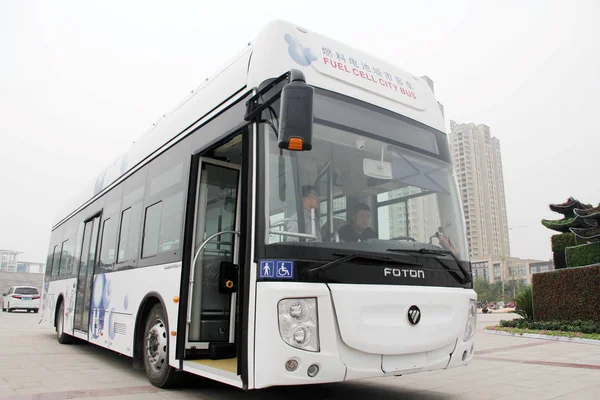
156 345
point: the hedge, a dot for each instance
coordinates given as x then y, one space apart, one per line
563 240
566 326
587 254
569 294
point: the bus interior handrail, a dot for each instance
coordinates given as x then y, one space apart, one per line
193 270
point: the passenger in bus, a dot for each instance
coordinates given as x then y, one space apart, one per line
358 230
310 200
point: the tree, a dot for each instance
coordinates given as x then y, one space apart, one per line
487 292
512 288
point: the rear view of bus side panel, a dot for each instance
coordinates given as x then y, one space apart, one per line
60 275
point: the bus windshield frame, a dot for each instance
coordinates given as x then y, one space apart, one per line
349 134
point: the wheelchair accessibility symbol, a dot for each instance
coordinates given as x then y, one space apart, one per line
276 269
285 269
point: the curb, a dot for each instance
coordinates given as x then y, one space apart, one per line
546 337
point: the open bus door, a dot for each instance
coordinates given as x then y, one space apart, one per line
85 274
211 311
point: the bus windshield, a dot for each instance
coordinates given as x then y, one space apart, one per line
373 181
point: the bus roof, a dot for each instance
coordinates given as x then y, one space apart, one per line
279 47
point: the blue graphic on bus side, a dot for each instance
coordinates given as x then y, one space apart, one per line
301 55
276 269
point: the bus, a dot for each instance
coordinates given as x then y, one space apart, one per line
187 253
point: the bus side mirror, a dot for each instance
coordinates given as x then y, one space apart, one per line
296 116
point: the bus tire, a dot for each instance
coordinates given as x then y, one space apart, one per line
156 349
61 336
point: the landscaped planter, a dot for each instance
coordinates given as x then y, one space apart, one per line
583 255
591 217
588 212
560 259
568 294
570 218
591 234
567 208
561 241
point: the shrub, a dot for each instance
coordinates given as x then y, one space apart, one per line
560 225
567 295
524 302
562 241
587 254
566 326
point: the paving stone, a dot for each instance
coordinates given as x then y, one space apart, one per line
34 365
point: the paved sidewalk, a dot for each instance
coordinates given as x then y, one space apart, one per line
34 366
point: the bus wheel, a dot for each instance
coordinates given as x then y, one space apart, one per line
62 337
156 349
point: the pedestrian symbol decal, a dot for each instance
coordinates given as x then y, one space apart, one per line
267 269
276 269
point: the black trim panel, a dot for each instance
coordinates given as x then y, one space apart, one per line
365 271
187 257
241 334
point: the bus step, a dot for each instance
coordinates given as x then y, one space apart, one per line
217 351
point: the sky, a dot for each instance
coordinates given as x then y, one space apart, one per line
81 80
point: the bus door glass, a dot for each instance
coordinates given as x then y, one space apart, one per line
217 211
85 274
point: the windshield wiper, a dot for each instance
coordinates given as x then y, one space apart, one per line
466 278
353 256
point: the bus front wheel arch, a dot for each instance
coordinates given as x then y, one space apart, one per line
59 323
140 323
150 350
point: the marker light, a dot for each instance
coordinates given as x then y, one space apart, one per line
298 323
291 365
313 370
471 321
295 144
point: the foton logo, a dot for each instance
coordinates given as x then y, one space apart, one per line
404 273
414 315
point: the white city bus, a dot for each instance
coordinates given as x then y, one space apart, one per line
186 253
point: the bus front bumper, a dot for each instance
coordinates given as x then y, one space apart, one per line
277 363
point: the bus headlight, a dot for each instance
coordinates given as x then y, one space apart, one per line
298 324
471 321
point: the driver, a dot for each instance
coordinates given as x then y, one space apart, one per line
359 229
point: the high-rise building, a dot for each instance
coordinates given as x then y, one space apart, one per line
478 164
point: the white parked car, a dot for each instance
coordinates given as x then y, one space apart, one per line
21 298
